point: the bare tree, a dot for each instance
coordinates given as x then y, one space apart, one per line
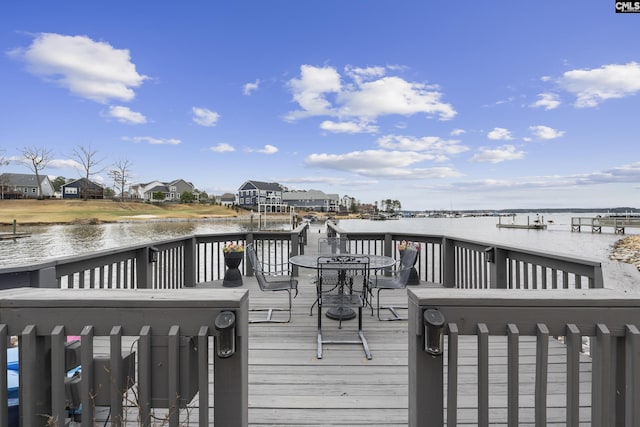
37 159
88 158
120 174
3 162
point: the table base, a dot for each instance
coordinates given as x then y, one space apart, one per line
341 313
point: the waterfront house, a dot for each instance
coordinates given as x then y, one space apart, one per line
172 191
82 189
312 200
25 186
251 194
228 199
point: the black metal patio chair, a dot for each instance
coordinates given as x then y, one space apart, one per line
396 278
342 280
278 282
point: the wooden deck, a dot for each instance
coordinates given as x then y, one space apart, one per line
289 386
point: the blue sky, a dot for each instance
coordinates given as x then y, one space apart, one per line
440 105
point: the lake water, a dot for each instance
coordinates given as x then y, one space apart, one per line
47 242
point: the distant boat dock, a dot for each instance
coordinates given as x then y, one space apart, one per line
537 224
618 222
13 236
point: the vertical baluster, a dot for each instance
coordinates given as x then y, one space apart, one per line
116 371
203 375
632 386
542 369
452 375
144 376
87 383
513 371
58 374
4 394
601 381
483 375
574 346
173 368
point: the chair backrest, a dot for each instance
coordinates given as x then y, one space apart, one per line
343 267
407 260
256 265
333 245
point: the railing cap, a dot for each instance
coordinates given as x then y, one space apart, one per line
522 297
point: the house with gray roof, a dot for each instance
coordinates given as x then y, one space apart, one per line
172 190
254 193
25 186
82 189
312 200
228 199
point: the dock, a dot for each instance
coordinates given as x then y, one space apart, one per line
537 224
13 236
596 224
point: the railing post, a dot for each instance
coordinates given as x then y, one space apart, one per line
190 262
448 263
44 278
231 377
498 278
426 383
295 245
144 269
388 245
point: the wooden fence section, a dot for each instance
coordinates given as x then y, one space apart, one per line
166 360
608 319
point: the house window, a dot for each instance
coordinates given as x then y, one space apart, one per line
70 190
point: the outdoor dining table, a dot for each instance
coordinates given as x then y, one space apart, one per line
376 262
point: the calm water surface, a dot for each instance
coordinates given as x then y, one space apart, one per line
47 242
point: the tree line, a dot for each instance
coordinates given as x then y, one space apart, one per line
37 158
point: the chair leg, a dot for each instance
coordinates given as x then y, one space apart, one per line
270 311
319 338
393 310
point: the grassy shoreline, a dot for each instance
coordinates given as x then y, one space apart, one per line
34 212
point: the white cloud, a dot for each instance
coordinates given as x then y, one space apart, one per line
620 175
372 94
222 148
267 149
500 134
548 101
545 132
152 141
458 132
250 87
310 89
125 115
599 84
348 127
63 164
497 155
381 163
364 74
205 117
440 148
89 69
